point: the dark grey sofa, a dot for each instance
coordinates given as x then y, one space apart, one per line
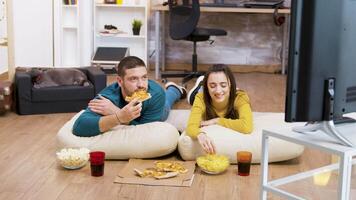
60 99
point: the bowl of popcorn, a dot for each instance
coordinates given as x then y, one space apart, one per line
73 158
213 163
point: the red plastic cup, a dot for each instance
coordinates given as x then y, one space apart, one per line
243 162
97 163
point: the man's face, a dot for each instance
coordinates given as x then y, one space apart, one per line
133 80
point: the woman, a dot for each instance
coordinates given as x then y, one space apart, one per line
219 103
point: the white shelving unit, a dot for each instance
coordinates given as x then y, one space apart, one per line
72 32
121 16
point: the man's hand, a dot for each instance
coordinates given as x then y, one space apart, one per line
130 112
102 106
209 122
206 143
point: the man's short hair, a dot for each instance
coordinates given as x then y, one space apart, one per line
129 62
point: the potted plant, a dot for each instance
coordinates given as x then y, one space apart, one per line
136 26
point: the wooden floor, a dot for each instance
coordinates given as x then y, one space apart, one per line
28 167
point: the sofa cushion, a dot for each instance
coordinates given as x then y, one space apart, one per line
58 77
63 93
124 142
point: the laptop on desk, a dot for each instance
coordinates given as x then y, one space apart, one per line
263 3
221 3
224 5
247 4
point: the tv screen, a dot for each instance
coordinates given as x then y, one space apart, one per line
321 80
322 46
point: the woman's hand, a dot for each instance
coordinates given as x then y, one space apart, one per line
209 122
206 143
102 106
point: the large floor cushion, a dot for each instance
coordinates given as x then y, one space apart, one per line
124 142
228 142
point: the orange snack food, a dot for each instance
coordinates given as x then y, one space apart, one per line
142 95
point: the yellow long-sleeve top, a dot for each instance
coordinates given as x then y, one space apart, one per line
244 124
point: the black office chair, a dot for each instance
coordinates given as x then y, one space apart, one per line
183 20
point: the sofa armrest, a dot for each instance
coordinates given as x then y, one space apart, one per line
97 77
23 86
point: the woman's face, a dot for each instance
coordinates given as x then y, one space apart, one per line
218 86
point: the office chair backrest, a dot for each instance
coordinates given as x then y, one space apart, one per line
183 19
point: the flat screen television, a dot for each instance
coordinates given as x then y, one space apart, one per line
321 80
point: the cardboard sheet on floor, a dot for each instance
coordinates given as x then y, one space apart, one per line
128 176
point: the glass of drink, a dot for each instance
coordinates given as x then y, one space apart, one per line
97 163
243 162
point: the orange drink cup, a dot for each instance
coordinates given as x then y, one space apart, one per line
243 163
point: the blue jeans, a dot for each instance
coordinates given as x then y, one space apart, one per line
172 96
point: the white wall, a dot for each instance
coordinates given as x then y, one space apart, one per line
32 32
3 36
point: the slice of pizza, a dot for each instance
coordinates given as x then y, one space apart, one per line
169 166
142 95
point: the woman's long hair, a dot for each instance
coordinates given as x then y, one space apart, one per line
210 113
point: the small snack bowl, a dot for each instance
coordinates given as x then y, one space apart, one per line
213 164
73 158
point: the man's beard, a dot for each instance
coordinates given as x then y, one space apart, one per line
127 92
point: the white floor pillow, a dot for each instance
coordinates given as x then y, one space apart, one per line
228 142
124 142
161 138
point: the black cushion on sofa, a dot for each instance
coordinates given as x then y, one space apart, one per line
62 93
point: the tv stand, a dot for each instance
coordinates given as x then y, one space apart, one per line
344 120
327 127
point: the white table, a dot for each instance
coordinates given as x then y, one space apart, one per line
317 140
160 34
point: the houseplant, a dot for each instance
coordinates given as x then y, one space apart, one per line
136 26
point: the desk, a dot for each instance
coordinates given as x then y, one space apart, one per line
317 140
159 31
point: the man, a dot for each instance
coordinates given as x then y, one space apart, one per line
110 108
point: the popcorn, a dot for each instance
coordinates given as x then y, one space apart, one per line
73 158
